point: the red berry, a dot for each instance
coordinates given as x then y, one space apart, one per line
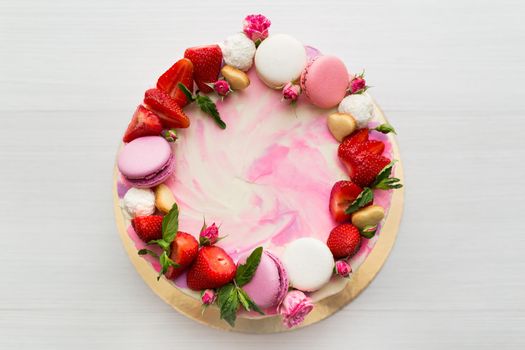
169 112
148 227
207 61
143 123
213 268
184 249
180 72
342 195
344 241
364 167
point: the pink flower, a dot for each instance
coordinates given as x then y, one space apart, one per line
222 87
358 84
209 235
294 308
342 268
208 297
256 27
170 135
291 92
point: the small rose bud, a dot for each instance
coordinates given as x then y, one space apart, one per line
208 296
222 87
256 27
291 92
357 85
170 135
342 268
294 308
209 235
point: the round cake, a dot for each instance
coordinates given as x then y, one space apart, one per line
256 176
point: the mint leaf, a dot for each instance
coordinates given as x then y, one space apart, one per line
207 106
385 128
186 91
170 225
246 271
228 302
147 251
383 180
368 231
247 302
365 197
165 264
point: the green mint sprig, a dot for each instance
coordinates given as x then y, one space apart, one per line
383 180
170 227
366 196
385 128
205 104
231 296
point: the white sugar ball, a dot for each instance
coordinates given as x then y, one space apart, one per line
360 106
238 51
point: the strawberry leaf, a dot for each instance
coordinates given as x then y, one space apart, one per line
246 271
207 106
165 264
170 225
247 302
366 196
385 128
188 93
228 302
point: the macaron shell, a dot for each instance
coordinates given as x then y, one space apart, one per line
266 286
280 59
309 264
156 178
144 157
325 81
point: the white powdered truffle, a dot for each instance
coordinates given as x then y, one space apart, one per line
360 106
238 51
139 202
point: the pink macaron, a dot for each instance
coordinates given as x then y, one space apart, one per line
325 80
146 162
269 285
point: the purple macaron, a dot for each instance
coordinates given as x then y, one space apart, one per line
146 162
269 285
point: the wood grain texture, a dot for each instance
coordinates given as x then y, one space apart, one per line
449 75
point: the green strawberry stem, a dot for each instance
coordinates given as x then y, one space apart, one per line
383 180
366 196
385 128
205 104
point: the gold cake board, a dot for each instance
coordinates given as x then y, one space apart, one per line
192 308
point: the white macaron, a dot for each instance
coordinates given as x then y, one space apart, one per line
309 263
280 59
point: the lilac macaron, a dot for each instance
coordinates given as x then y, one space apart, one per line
324 81
146 162
269 285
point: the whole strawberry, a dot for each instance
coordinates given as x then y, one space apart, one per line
148 228
213 268
207 62
184 249
344 241
364 167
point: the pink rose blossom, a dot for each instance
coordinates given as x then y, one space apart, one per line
342 268
291 92
209 235
256 27
358 84
208 297
294 308
222 87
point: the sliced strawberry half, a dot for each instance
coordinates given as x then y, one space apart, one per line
180 72
207 62
169 112
143 123
364 167
184 250
342 195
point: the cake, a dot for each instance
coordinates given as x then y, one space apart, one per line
255 177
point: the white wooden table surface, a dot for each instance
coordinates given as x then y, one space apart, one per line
450 76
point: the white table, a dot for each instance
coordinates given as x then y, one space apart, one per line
450 76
